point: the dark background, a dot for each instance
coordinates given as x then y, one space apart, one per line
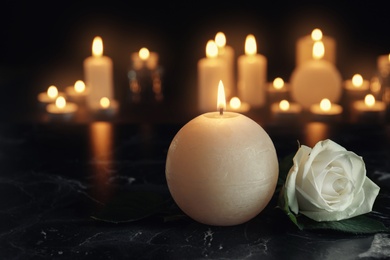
45 43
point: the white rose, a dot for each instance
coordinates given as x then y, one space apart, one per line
329 183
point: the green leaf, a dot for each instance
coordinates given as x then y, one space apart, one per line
284 167
128 206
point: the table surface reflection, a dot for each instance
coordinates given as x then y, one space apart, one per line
56 174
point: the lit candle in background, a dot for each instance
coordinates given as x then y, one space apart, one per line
326 110
252 74
107 107
277 90
315 79
226 52
305 44
210 71
285 110
383 64
369 108
61 107
221 167
98 72
49 96
77 92
144 59
235 105
357 87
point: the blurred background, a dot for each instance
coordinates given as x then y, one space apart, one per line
45 43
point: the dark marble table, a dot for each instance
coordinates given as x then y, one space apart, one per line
56 178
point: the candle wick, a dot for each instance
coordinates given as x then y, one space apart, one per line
221 111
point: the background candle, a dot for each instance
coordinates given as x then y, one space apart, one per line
49 96
315 79
326 110
285 110
252 75
277 90
222 168
369 109
226 52
61 108
304 47
77 92
210 71
144 58
98 73
357 87
383 64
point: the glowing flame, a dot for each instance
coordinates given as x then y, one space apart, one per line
235 103
278 83
60 102
250 45
104 102
220 39
221 102
79 86
284 105
211 49
325 104
369 100
97 47
52 92
318 50
144 53
357 80
316 35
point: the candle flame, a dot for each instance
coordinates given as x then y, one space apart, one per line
97 47
144 53
369 100
221 102
250 45
284 105
79 86
211 49
235 103
325 104
318 50
357 80
104 102
278 83
220 39
60 102
52 92
316 35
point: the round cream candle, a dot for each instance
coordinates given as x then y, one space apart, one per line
226 52
98 73
305 44
210 71
252 75
222 168
315 79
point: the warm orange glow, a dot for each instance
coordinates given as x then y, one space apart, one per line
325 104
369 100
375 85
79 86
52 92
278 83
97 47
250 45
211 49
221 102
60 102
318 50
104 102
389 57
357 80
284 105
316 35
144 53
235 103
220 39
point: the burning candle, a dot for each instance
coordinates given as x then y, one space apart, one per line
77 92
144 58
383 64
369 108
226 52
284 109
98 72
305 44
277 90
315 79
61 107
49 96
357 87
106 107
252 74
326 110
222 167
236 105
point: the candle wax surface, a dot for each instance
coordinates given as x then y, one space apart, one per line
222 170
